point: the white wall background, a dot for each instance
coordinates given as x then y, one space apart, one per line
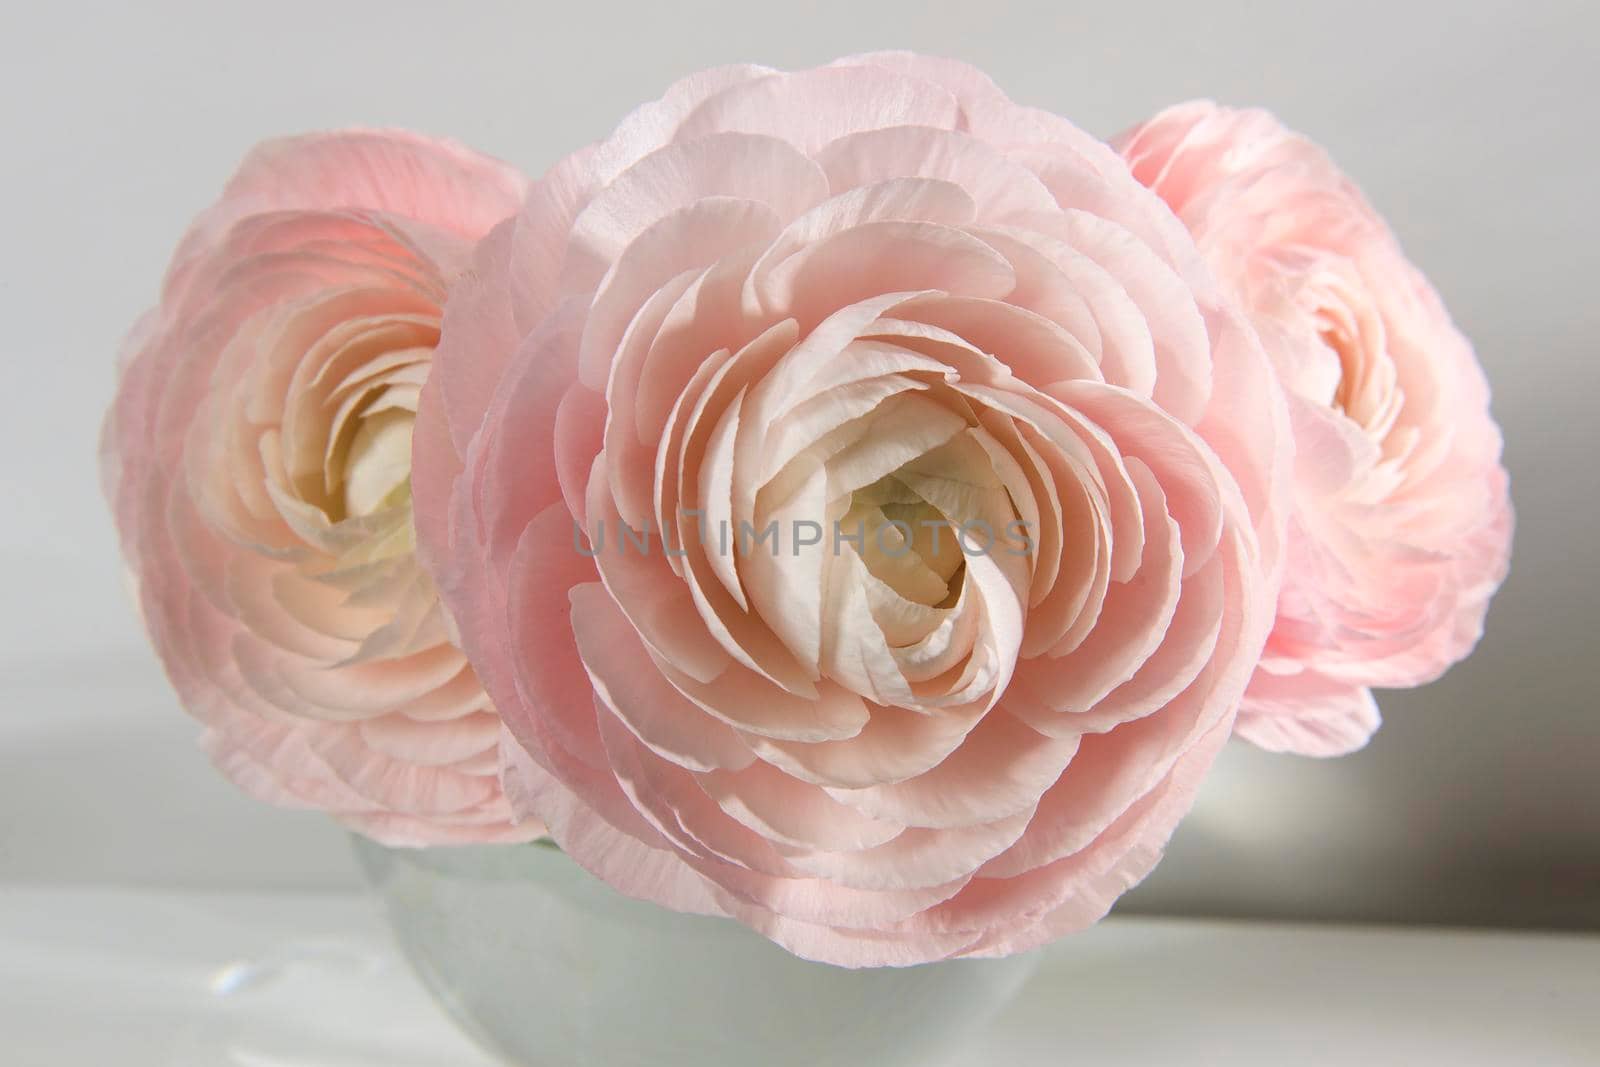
1471 125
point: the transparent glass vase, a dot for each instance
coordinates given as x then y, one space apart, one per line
545 965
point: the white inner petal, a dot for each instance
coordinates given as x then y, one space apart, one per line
378 462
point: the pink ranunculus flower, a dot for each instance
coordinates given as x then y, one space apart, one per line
708 417
1401 528
257 459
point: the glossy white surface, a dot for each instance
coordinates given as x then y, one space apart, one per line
105 978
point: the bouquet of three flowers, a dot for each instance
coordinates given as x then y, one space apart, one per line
847 501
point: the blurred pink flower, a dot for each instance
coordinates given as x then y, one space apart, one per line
257 459
1401 530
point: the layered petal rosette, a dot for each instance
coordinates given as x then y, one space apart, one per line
1401 528
257 459
863 508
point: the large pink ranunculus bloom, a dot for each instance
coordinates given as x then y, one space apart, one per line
1401 529
783 308
257 459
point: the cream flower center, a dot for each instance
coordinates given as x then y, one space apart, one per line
1361 380
377 464
907 543
364 418
337 451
